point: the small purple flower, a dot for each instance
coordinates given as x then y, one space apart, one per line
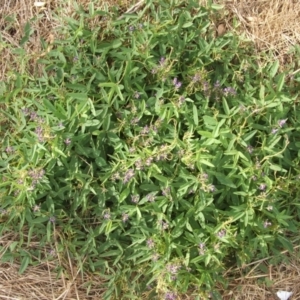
36 208
201 248
217 84
150 197
173 268
25 111
67 141
281 122
166 191
52 219
176 83
9 150
229 91
131 149
212 188
131 28
254 178
274 130
128 175
139 164
106 215
164 225
250 149
155 257
33 116
136 95
149 161
262 186
75 58
162 61
52 252
221 233
196 78
170 296
135 198
145 130
134 121
181 100
125 217
204 176
150 243
267 224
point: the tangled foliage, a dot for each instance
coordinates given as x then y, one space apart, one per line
154 151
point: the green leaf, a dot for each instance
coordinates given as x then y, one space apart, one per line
226 107
274 68
286 243
224 180
280 82
24 264
195 115
188 24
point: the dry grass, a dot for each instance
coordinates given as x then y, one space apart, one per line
271 24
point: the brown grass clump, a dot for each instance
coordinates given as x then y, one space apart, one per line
273 25
53 276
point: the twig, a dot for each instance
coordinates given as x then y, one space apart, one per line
133 8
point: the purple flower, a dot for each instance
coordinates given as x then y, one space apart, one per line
162 61
135 198
52 219
136 95
274 130
125 217
212 188
150 243
75 58
281 122
201 248
155 257
267 224
229 91
33 116
196 78
68 141
170 296
217 84
139 164
173 268
166 191
164 225
250 149
149 161
221 233
128 175
36 208
181 100
134 121
150 197
131 28
262 186
9 150
106 216
52 252
145 130
176 83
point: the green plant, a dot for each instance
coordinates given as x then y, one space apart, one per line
153 151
